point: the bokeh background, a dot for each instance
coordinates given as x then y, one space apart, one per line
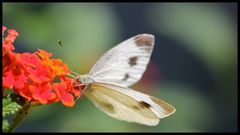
193 66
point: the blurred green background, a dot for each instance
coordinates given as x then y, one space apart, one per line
193 66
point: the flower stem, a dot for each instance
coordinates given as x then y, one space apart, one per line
22 113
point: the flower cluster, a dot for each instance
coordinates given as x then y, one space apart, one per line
34 75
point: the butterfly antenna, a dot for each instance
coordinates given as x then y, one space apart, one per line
71 63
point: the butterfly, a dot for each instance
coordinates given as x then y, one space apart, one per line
107 83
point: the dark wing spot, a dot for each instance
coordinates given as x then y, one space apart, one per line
141 105
108 107
126 77
143 40
144 104
136 107
133 61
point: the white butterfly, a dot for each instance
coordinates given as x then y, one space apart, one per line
108 81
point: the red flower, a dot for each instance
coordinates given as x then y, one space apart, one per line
32 75
12 34
62 93
73 85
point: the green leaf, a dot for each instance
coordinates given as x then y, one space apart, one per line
5 125
11 104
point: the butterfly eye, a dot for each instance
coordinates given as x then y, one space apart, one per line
83 86
79 87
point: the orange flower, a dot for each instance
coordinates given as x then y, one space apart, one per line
56 65
32 75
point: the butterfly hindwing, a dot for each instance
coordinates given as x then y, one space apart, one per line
125 63
126 104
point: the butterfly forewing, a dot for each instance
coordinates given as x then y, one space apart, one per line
125 63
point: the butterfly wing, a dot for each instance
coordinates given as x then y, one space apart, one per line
128 105
125 63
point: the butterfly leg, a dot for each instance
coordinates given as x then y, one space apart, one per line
80 87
